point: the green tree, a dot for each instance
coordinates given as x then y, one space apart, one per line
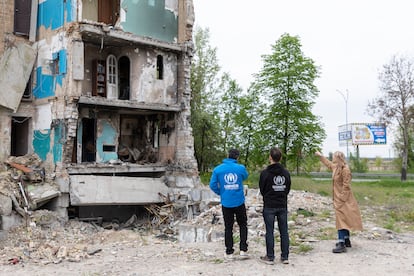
399 146
287 89
378 162
395 103
204 79
357 164
228 106
248 129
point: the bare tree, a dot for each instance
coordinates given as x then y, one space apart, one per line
395 103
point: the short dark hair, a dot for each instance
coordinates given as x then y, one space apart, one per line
234 154
276 154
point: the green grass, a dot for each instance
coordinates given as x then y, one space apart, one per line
392 199
304 248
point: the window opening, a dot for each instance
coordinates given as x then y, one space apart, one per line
54 65
160 67
22 13
124 73
112 77
137 140
88 140
108 11
99 78
19 136
108 148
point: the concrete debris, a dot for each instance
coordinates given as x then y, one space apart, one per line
46 239
135 155
24 183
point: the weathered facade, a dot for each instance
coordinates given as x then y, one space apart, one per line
100 91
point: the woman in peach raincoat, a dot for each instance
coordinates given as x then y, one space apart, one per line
347 214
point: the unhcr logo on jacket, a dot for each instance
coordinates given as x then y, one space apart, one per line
230 180
279 181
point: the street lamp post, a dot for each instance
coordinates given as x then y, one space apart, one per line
345 97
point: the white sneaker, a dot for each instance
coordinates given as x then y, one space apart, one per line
284 261
228 256
244 255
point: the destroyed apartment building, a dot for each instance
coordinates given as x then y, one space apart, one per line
99 92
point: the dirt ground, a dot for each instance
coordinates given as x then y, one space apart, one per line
131 256
88 250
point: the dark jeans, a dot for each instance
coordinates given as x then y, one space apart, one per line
269 215
343 234
241 217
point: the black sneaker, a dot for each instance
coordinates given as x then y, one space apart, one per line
266 260
348 243
284 261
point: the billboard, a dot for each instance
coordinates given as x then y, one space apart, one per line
362 134
344 135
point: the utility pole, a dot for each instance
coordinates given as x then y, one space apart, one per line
345 97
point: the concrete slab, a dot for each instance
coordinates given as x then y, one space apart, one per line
115 190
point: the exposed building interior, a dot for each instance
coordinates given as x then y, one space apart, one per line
99 91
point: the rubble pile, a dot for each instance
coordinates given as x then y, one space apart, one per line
24 186
308 214
46 239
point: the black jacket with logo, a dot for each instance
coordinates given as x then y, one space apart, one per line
274 186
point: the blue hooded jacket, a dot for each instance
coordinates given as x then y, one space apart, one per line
227 182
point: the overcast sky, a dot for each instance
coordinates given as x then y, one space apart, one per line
349 40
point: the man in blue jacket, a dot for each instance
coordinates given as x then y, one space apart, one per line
274 185
227 182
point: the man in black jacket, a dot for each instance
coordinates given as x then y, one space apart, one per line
274 186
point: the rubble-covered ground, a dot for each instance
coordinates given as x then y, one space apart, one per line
47 246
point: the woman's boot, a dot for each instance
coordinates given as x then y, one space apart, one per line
348 242
340 248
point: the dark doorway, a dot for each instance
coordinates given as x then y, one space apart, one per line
108 11
124 71
22 11
160 67
19 136
88 140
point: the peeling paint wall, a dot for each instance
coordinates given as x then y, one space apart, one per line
41 130
107 137
58 73
58 140
151 18
54 13
41 143
157 109
51 66
144 85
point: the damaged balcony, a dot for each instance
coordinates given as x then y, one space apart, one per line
117 168
132 105
102 34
